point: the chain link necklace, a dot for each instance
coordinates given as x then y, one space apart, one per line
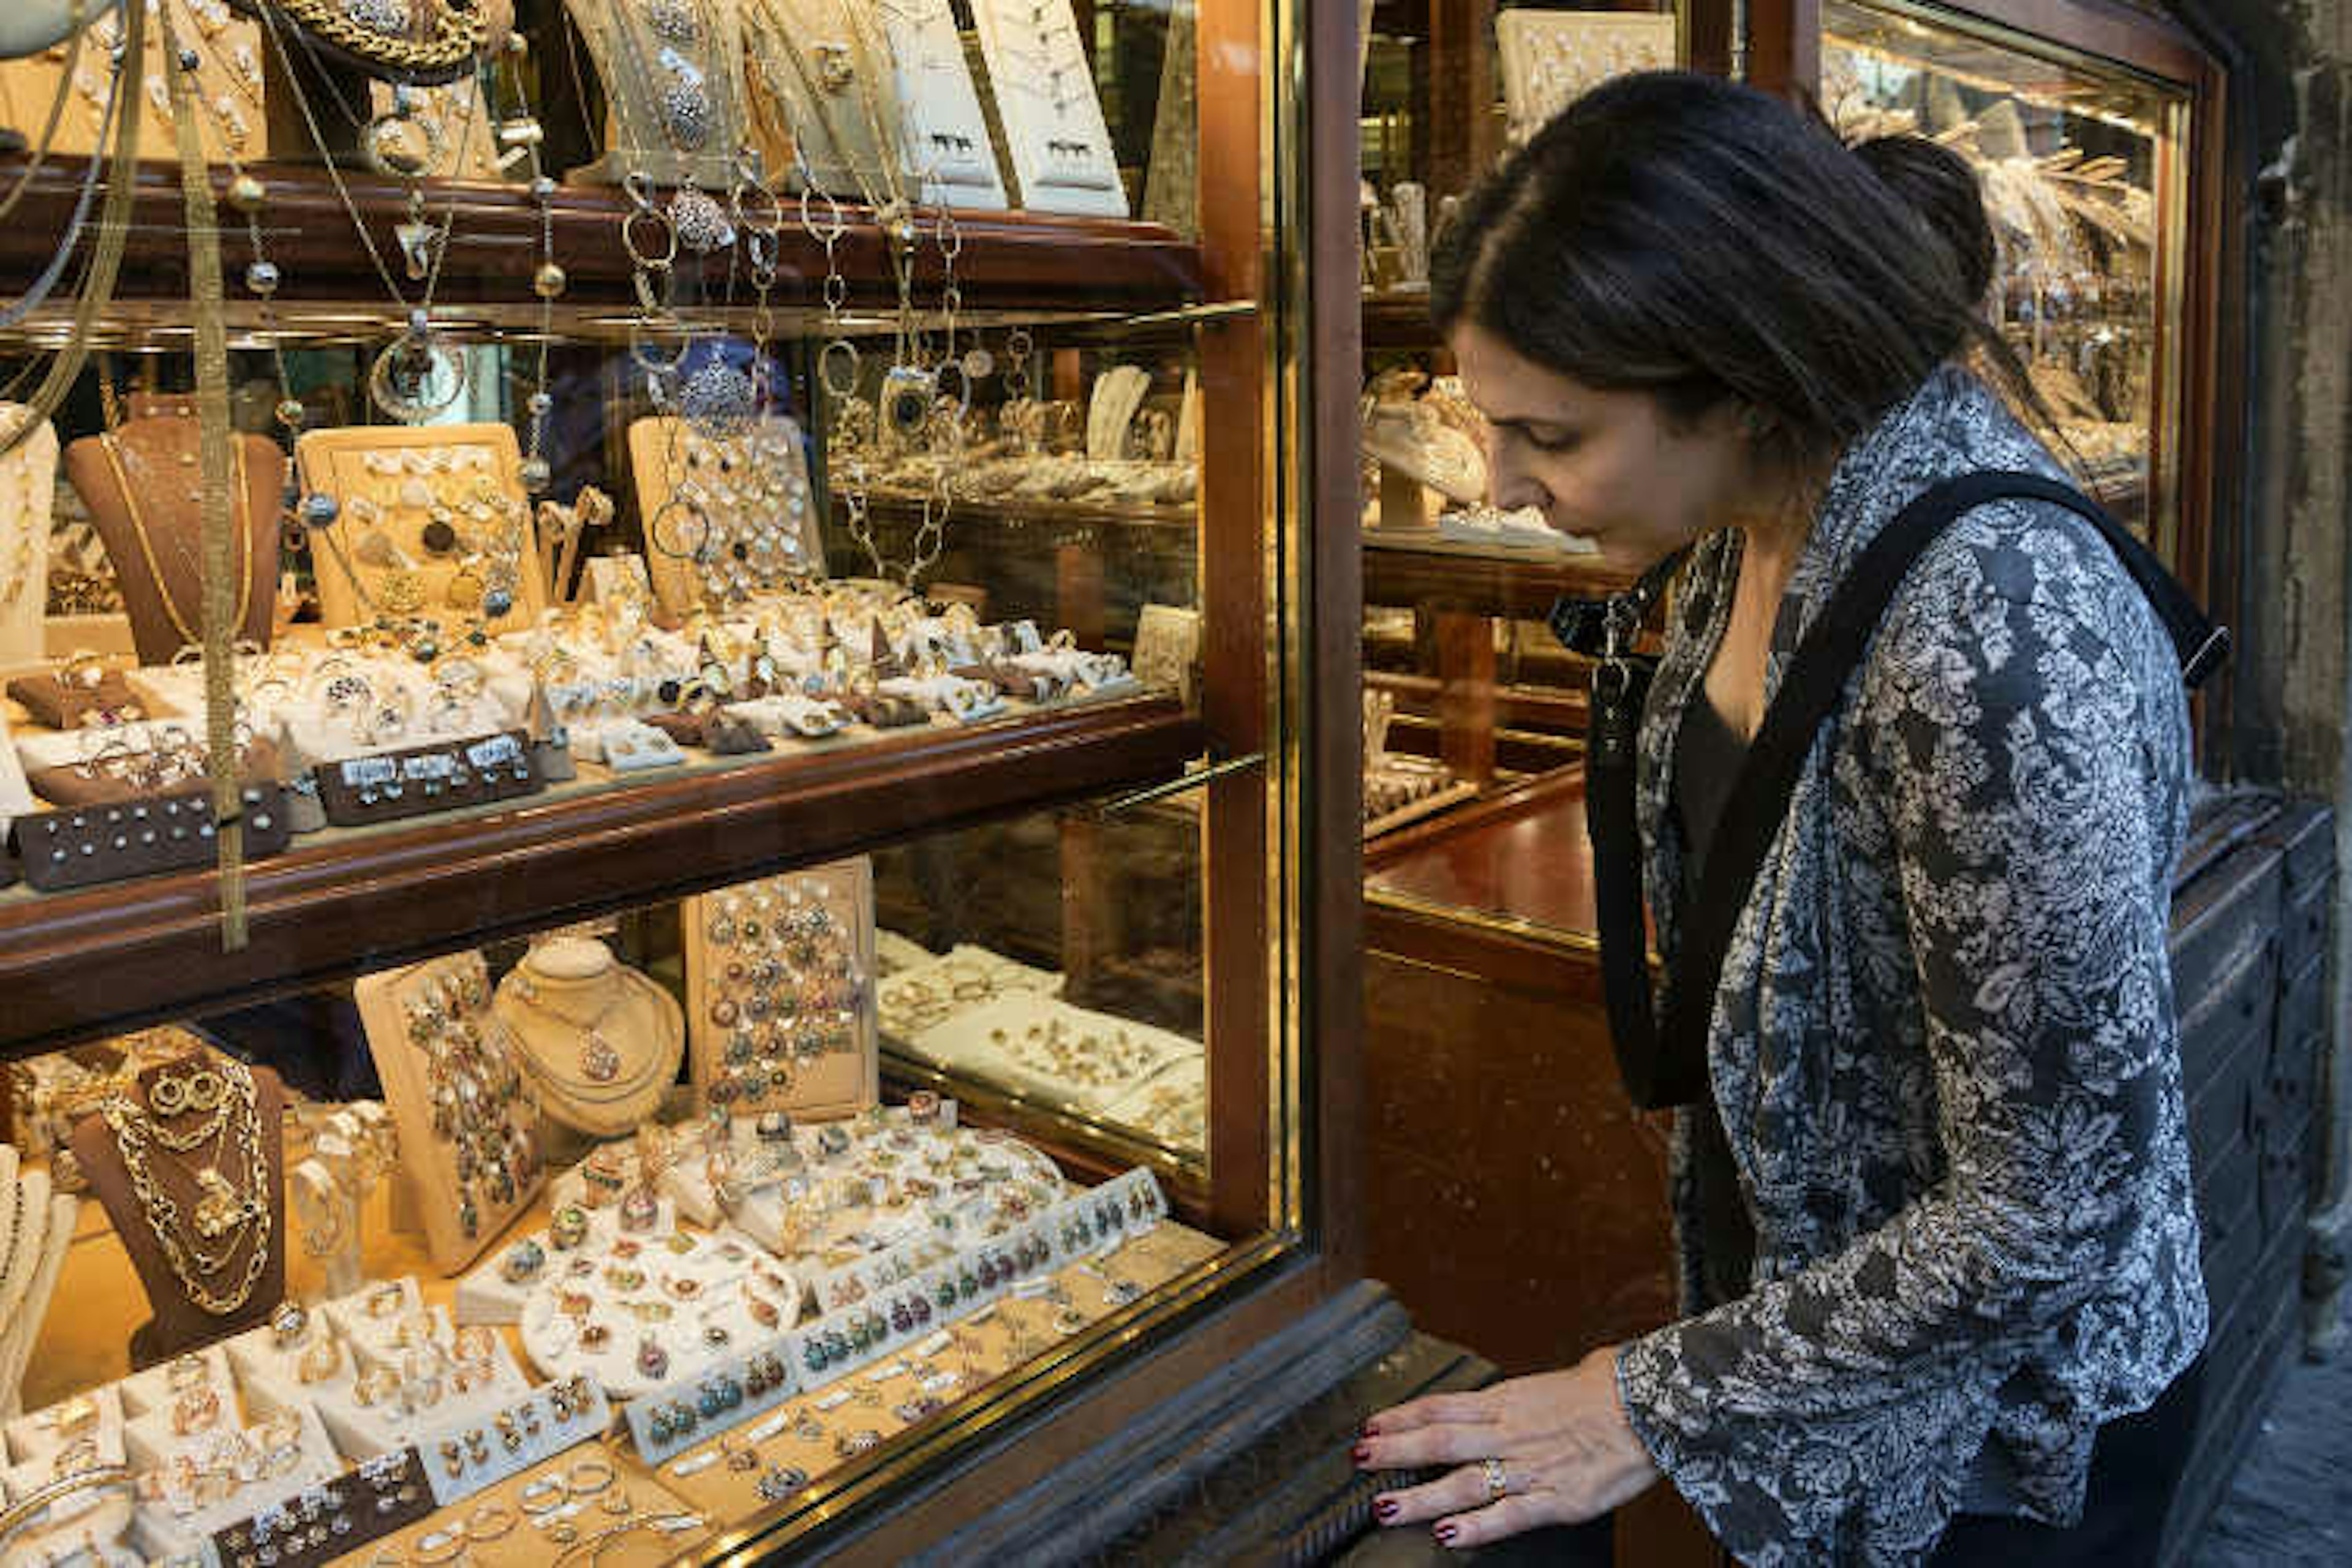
220 1209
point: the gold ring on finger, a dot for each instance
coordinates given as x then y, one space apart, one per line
1498 1482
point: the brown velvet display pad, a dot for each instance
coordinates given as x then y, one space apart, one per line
158 546
180 1324
439 777
336 463
838 1084
380 1496
56 703
80 847
80 785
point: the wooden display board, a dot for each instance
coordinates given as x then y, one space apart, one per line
658 458
427 1160
835 1085
336 463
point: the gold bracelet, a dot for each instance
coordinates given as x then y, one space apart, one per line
489 1522
19 1514
442 1546
600 1474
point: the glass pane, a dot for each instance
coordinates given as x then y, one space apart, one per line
2082 165
775 1174
1473 716
714 670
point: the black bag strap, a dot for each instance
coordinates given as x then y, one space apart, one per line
1667 1065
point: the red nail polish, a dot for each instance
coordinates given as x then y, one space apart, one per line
1361 1453
1446 1532
1386 1508
1369 1430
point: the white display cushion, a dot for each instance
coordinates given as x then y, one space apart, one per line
173 1525
894 954
963 977
1006 1042
668 1289
1171 1108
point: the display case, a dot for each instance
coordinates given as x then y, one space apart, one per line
668 830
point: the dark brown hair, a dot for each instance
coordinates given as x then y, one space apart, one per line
1679 234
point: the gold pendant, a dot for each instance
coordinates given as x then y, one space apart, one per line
218 1208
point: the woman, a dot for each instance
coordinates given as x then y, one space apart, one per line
1938 1241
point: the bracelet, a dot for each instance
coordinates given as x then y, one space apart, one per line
17 1515
588 1476
489 1522
543 1495
441 1546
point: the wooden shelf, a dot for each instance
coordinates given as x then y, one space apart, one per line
1469 581
1009 261
95 963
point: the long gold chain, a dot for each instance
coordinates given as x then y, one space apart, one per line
188 634
189 1264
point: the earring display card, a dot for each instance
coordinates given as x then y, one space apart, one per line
724 1394
727 519
469 1123
944 132
475 1450
168 831
780 993
416 780
426 521
321 1522
1552 57
1046 98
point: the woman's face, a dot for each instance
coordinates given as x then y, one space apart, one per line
1606 465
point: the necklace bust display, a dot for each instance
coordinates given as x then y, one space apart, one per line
144 490
597 1041
189 1167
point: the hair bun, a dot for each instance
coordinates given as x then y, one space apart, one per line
1937 184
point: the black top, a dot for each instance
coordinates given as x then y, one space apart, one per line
1705 768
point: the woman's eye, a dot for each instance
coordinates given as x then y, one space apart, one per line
1544 440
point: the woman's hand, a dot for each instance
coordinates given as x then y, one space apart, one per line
1555 1449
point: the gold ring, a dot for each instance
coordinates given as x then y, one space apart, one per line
1498 1482
543 1495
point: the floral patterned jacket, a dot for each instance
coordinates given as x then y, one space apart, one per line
1944 1048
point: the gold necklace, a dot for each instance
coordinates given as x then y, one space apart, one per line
147 551
220 1209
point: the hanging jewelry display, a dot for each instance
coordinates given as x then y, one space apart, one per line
780 995
804 55
1046 100
728 520
228 79
925 393
467 1119
418 375
673 73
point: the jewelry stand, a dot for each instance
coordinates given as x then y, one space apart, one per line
638 115
1044 89
837 1083
179 1322
156 539
809 58
597 1041
431 1162
770 458
950 158
28 494
350 466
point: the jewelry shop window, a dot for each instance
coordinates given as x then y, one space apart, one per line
639 779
